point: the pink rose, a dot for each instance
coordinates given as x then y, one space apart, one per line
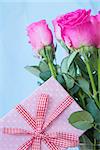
96 26
40 35
76 29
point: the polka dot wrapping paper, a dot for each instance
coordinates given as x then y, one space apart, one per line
40 122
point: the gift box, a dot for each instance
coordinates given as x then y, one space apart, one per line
40 122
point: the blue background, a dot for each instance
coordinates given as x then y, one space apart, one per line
15 52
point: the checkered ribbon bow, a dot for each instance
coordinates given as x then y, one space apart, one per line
53 140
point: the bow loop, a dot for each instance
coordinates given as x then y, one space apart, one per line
66 102
26 145
27 117
64 139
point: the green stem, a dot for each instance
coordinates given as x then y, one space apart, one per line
48 55
52 68
94 145
75 81
91 78
99 73
92 81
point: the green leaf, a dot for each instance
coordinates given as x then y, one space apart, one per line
92 108
68 70
83 84
82 66
33 69
66 63
93 59
69 81
61 80
45 75
80 63
71 58
43 66
69 76
74 90
81 120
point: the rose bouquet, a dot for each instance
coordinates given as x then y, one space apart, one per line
79 72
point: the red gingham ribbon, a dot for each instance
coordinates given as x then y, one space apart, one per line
53 140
